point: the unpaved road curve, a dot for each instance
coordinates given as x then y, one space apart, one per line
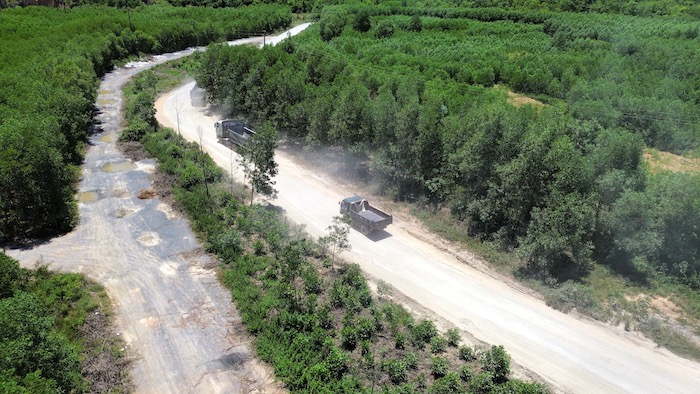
570 354
179 322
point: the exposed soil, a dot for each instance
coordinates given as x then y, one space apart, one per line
518 100
105 367
146 194
132 150
666 307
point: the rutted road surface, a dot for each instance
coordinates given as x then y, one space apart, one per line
572 355
180 323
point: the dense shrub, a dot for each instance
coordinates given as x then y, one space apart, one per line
385 29
453 337
422 333
544 180
466 353
396 370
438 344
228 245
42 338
497 362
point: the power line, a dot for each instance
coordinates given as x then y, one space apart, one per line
635 113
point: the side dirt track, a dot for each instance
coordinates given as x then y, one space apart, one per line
180 324
570 354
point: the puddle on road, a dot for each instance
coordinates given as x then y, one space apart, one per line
89 196
105 91
120 193
117 167
111 137
122 212
149 239
106 101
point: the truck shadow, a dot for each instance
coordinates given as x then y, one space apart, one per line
379 235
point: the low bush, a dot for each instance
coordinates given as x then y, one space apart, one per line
349 337
438 344
453 337
411 360
497 362
466 353
439 367
448 384
396 370
466 373
422 333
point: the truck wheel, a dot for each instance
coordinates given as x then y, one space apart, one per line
364 229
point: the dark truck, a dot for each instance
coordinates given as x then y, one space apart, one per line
232 133
365 217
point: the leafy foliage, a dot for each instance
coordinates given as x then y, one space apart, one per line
50 62
439 366
453 337
428 110
259 161
337 239
466 353
42 315
497 362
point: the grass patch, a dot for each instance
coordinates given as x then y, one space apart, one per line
658 161
666 336
441 224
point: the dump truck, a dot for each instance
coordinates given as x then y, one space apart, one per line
198 97
364 216
233 133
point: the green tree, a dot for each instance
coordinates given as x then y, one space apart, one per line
385 29
362 21
416 25
28 344
259 161
37 193
337 238
332 24
679 218
559 237
11 276
633 225
351 121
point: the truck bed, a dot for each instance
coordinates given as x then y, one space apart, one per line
371 216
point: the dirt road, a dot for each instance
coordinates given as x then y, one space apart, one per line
179 322
572 355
